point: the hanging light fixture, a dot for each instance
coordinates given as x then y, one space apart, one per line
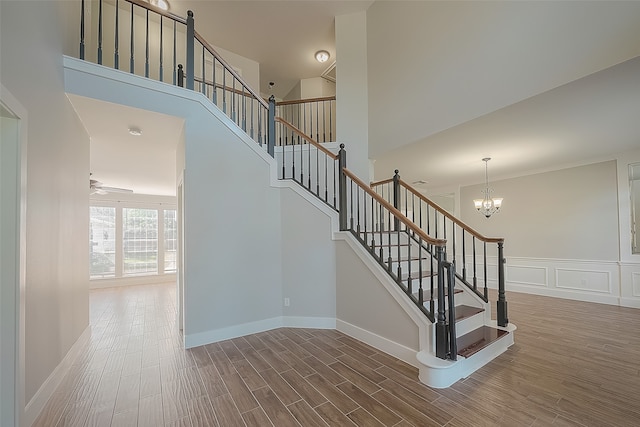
487 206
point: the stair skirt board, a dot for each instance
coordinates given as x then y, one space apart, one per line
438 373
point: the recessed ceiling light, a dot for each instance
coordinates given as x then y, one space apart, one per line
162 4
135 131
322 56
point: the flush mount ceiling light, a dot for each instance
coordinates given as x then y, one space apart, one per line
487 206
162 4
135 131
322 56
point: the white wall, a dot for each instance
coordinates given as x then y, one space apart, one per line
308 258
433 65
352 122
363 302
57 305
561 231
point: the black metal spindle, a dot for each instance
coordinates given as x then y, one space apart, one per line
204 80
100 32
82 30
131 48
161 69
464 256
175 58
146 46
116 56
475 277
190 56
484 252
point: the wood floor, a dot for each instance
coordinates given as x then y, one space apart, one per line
573 364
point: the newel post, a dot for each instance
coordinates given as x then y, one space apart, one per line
342 184
396 197
180 75
191 36
442 336
503 319
271 138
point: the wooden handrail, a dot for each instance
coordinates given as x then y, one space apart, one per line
156 9
451 217
219 86
304 101
309 139
377 183
396 213
228 67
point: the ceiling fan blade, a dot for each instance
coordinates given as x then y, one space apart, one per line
114 190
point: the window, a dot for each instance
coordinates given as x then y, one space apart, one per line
132 241
140 241
170 240
102 242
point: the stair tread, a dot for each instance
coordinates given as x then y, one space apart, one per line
466 311
435 293
415 275
471 343
406 258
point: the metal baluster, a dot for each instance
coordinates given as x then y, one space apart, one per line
358 210
175 59
100 32
146 47
233 101
244 110
252 109
420 275
475 278
116 58
224 90
484 250
161 71
464 257
330 121
326 179
317 174
204 80
131 60
82 31
317 122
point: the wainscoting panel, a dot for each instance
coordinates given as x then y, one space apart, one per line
526 275
584 280
606 282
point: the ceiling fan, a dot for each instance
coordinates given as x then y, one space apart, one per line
96 187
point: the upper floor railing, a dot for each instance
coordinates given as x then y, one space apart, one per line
138 37
315 117
468 250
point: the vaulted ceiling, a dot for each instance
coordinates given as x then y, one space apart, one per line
534 85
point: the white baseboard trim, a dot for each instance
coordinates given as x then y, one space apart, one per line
630 302
46 390
309 322
557 293
208 337
406 354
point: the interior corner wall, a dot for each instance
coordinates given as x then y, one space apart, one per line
308 258
352 111
57 223
232 233
362 301
560 230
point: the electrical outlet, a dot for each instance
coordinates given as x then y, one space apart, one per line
286 302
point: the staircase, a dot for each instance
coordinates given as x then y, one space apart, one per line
425 251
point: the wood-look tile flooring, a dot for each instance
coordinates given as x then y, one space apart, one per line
573 364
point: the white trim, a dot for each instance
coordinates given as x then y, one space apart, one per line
402 352
559 285
46 390
559 293
215 335
14 322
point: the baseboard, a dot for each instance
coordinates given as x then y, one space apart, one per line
46 390
557 293
309 322
208 337
406 354
630 302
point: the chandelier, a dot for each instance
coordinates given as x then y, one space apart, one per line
487 206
